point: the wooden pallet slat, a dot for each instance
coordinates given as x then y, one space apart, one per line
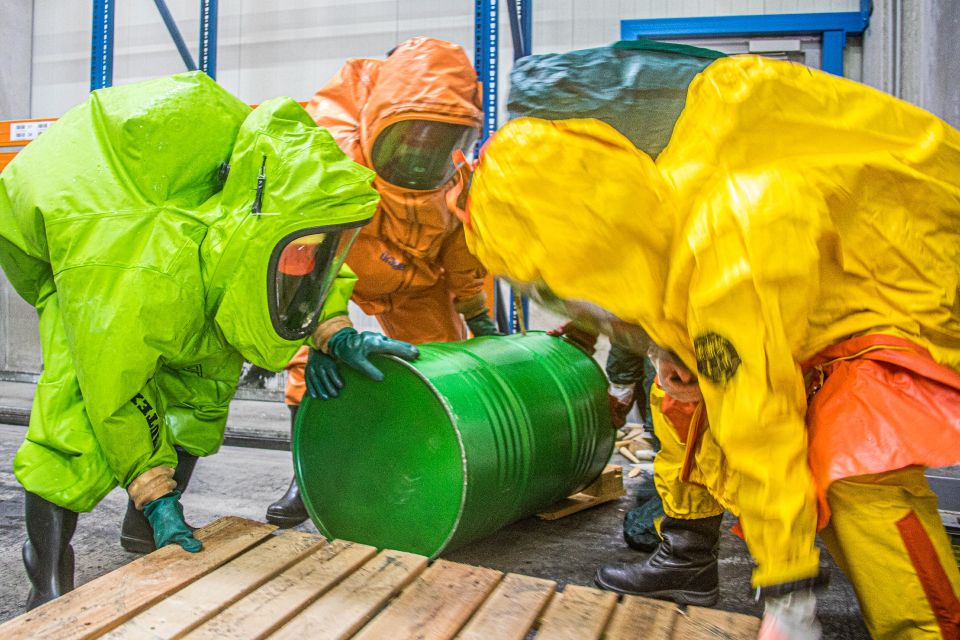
656 617
203 599
609 486
511 610
108 601
353 602
436 605
270 606
697 623
579 613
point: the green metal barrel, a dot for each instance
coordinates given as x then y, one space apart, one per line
447 449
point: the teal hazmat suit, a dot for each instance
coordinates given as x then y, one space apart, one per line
165 232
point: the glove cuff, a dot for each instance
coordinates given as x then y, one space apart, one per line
473 306
337 338
784 588
327 329
150 485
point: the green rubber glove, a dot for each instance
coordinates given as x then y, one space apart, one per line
323 379
483 325
354 348
165 515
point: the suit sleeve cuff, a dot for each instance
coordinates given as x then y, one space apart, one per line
326 330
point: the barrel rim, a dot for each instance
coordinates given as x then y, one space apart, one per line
463 452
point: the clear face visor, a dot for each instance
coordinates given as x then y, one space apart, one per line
590 317
416 154
303 267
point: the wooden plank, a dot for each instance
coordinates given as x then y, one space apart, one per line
110 600
609 486
609 482
511 610
353 602
273 604
698 623
211 594
579 613
655 617
436 605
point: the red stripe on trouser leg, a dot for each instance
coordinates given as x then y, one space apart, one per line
943 601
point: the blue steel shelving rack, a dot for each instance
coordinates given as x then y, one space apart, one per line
101 47
832 27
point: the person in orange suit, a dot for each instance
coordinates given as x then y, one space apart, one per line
403 117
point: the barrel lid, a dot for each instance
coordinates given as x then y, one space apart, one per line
382 464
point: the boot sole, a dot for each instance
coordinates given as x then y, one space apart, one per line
697 599
285 522
137 545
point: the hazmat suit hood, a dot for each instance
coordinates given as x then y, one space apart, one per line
425 80
599 191
422 79
288 184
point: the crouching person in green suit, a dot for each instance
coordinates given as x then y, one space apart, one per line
165 232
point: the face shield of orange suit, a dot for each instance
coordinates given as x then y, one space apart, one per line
418 154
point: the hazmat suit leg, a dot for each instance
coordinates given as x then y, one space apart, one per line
136 534
289 510
60 459
47 554
886 535
684 567
424 316
67 459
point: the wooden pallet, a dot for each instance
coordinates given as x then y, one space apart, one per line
250 582
609 486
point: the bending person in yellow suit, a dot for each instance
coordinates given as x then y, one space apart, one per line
797 244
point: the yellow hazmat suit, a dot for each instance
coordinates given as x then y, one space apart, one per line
790 211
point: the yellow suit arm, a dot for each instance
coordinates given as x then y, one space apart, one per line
756 242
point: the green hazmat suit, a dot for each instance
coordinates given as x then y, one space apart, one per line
151 275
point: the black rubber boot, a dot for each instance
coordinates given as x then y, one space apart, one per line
136 535
682 569
288 511
47 554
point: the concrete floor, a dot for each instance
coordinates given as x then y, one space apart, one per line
239 481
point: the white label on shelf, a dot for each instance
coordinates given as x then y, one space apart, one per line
27 130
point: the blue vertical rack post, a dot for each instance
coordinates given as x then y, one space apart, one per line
521 24
486 48
208 37
486 51
832 28
101 44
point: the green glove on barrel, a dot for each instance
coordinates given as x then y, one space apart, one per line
323 380
165 515
354 349
482 325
